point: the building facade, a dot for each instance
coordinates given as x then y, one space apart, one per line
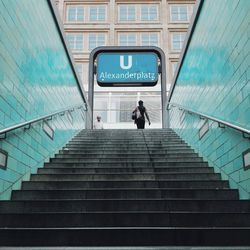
161 23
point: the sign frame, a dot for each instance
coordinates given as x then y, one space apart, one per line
133 74
112 49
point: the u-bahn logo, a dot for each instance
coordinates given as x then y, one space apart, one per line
129 65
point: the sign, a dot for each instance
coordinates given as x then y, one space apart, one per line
127 69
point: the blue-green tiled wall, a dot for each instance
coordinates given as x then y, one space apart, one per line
36 79
214 80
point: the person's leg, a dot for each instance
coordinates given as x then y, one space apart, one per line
137 124
143 124
140 124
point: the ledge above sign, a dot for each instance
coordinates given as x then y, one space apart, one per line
127 69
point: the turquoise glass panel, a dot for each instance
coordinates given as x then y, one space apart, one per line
36 79
215 80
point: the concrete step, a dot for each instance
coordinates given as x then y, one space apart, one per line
125 188
132 164
138 170
126 155
34 206
119 141
125 160
135 143
129 193
161 236
125 176
123 131
124 248
126 148
115 150
126 138
125 219
50 185
130 134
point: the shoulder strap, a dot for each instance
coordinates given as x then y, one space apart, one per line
141 111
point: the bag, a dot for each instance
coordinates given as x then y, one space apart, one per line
136 114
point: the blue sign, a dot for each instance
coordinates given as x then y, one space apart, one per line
127 69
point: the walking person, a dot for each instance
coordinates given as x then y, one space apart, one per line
141 112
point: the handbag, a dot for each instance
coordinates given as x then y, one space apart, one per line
136 114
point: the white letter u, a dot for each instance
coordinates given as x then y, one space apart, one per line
129 62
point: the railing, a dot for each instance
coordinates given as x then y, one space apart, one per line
154 113
222 124
41 118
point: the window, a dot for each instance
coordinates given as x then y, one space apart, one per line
75 41
143 39
101 106
149 12
75 13
79 68
174 66
149 39
126 13
177 40
97 13
125 109
127 39
179 13
96 40
153 105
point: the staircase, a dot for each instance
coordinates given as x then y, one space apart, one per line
125 188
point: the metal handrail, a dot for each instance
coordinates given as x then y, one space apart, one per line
242 130
28 123
125 109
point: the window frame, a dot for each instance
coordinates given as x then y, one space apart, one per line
75 34
119 13
178 13
127 33
149 33
172 41
75 20
174 67
97 6
149 6
80 73
96 42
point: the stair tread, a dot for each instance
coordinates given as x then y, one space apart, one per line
170 196
131 212
125 228
129 173
158 189
134 180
